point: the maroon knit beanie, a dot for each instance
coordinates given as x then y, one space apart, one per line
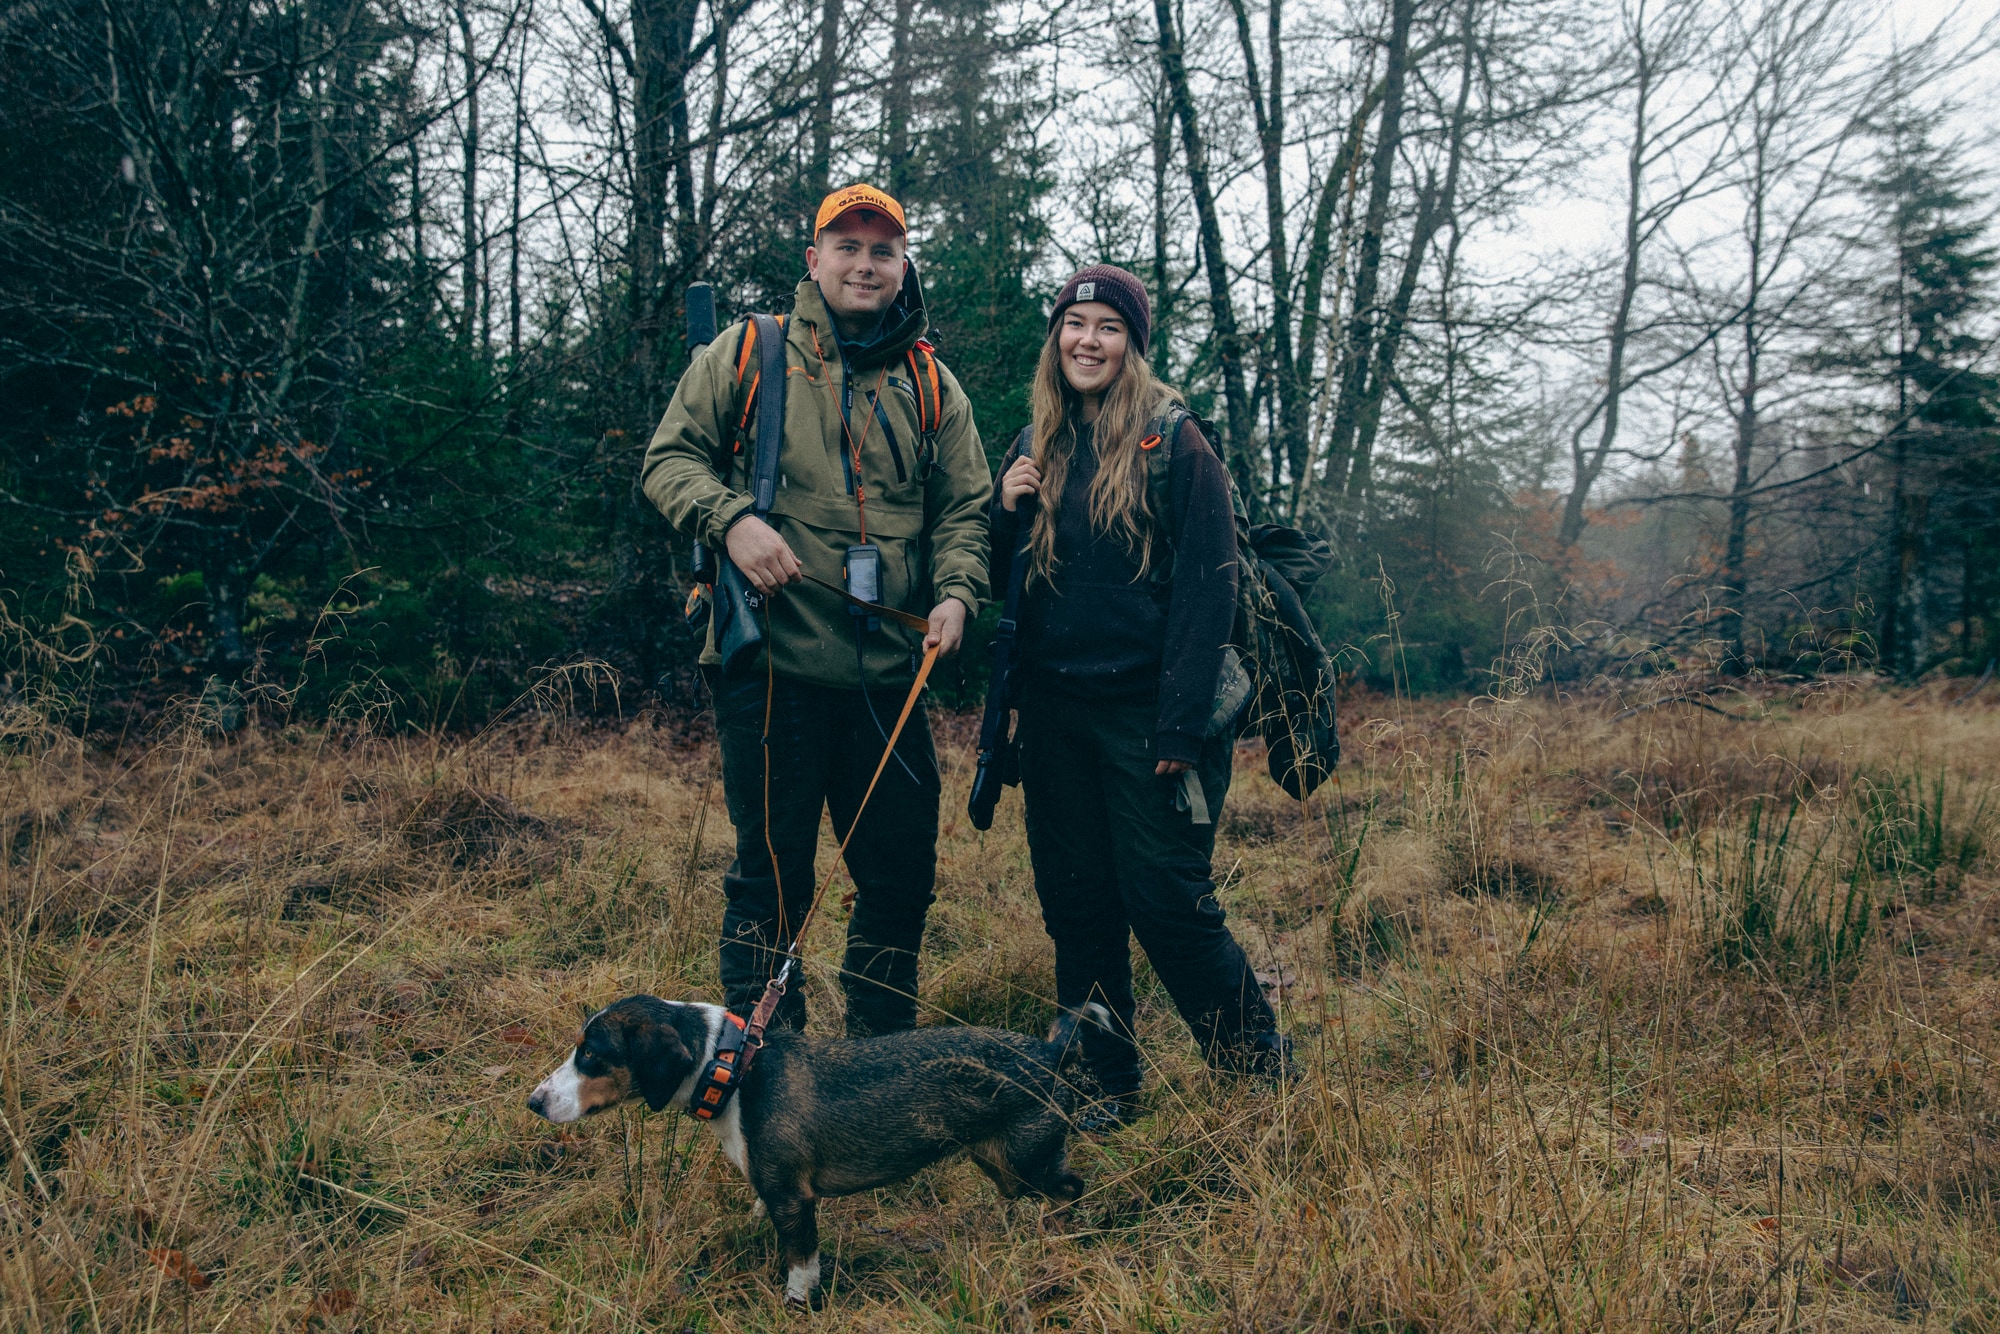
1117 289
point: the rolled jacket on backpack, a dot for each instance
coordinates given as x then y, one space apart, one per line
930 522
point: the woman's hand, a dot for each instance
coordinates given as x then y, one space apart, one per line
1023 479
1165 767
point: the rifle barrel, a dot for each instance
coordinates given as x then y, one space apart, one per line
700 316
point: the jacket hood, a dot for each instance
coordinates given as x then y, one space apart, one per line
905 321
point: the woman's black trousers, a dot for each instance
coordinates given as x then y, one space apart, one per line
1112 854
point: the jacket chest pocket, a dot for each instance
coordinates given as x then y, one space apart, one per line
899 452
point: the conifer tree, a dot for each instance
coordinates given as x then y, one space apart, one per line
1937 391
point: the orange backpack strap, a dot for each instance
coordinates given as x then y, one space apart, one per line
746 347
922 360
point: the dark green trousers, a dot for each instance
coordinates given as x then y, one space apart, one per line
823 746
1115 858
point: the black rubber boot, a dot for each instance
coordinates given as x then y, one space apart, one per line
880 978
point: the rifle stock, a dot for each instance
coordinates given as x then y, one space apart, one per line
999 753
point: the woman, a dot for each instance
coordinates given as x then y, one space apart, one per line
1118 669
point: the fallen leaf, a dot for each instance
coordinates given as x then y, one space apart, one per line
174 1264
517 1035
1767 1224
338 1302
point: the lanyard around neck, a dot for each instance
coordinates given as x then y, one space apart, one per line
841 406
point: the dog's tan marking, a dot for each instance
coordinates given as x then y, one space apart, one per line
595 1095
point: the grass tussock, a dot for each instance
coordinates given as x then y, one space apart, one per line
1606 1019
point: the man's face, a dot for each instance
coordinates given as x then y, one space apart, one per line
858 263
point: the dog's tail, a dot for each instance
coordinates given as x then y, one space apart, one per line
1063 1032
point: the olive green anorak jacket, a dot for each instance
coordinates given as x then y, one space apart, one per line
924 504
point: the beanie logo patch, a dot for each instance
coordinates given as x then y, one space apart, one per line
1086 291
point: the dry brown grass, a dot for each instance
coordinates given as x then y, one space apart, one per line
273 1003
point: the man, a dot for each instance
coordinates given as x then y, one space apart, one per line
856 460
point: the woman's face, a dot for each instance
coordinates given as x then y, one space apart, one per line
1091 346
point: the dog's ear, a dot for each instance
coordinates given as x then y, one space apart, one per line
657 1057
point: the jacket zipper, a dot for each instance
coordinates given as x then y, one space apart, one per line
895 450
846 427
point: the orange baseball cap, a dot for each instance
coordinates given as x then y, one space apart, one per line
852 197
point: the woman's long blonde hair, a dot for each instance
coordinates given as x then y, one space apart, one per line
1118 492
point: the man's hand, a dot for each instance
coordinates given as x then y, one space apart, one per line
764 558
1165 767
947 626
1023 479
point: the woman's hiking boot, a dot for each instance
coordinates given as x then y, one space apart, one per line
1266 1057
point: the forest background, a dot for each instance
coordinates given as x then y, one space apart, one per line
1654 335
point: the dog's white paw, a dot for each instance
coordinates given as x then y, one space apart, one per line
800 1283
757 1209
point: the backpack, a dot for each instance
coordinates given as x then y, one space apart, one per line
1277 668
735 632
923 385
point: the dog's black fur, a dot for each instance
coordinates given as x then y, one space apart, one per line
817 1119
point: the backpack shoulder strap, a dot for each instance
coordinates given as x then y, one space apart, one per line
769 393
922 361
747 343
1157 445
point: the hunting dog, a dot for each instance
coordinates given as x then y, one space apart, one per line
817 1119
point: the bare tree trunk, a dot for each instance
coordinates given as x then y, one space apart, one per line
1587 465
819 169
687 230
1361 322
1661 46
1340 183
662 32
723 14
896 102
1163 290
1288 442
1744 445
1436 203
514 210
1228 340
662 161
419 258
469 201
1895 649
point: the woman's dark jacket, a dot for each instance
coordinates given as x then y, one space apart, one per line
1106 631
